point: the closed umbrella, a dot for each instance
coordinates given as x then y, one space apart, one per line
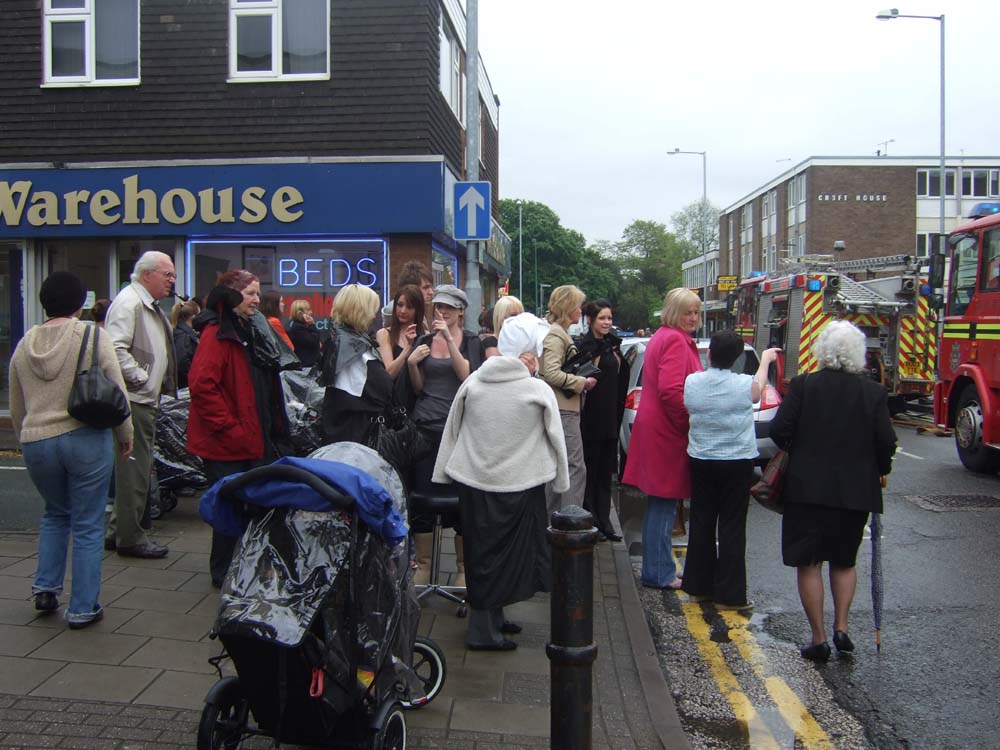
876 529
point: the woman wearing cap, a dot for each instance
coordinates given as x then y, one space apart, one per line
69 462
501 460
564 311
437 366
237 419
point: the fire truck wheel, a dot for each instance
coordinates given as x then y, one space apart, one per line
973 453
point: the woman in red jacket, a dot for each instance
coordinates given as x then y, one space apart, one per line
657 460
237 419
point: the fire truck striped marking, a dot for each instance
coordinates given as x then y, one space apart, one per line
813 321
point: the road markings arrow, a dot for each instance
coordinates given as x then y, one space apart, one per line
471 201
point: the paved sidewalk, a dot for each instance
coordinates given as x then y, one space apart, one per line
138 678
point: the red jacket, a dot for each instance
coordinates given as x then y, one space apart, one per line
223 424
657 452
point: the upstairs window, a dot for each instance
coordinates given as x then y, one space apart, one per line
929 183
452 70
91 42
279 40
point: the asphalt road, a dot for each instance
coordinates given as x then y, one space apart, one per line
934 684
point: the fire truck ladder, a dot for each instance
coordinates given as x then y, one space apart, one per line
884 263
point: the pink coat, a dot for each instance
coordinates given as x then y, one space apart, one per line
657 455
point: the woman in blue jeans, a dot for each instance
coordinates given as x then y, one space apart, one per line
70 463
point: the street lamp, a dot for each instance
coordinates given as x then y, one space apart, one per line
541 295
890 15
704 232
520 251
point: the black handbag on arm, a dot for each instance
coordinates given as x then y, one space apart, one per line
94 399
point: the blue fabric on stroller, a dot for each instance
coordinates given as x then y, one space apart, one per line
374 502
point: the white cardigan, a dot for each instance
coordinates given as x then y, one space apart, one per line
503 432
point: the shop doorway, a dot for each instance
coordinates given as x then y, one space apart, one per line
11 312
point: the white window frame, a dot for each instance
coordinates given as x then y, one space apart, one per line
454 93
272 8
85 14
925 175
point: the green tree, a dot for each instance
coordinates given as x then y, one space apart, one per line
694 222
553 255
649 259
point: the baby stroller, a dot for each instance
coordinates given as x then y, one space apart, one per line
318 612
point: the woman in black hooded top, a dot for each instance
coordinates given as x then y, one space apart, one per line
601 415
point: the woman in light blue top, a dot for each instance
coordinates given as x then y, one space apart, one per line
721 446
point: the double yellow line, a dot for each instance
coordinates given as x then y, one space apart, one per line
809 735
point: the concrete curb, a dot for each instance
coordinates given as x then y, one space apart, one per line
663 713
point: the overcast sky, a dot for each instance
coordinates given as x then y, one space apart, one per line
593 95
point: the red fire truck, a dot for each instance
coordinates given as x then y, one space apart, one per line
789 310
967 394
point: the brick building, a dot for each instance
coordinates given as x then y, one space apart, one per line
315 142
878 205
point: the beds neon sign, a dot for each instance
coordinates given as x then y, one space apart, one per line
320 273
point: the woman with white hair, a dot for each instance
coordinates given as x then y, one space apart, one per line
502 443
835 425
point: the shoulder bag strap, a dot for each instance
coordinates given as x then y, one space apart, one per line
94 356
83 349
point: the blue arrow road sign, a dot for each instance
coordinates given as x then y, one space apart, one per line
471 208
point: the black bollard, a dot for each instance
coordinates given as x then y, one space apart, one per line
572 649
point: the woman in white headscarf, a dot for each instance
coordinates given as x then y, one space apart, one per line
501 459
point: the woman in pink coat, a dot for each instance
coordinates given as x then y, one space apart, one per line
657 459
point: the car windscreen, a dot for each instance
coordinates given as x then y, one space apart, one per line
745 364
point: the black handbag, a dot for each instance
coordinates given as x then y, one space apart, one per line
399 440
94 399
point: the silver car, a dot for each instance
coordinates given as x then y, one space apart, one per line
763 411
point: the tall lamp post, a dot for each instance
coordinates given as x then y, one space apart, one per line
704 232
520 252
891 15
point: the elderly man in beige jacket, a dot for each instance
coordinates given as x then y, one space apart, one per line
143 342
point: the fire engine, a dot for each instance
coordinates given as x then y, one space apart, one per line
967 394
790 310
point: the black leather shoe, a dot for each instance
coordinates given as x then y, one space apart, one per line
612 536
78 623
511 628
148 551
504 645
816 652
843 644
46 601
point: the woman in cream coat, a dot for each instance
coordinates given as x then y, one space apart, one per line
501 459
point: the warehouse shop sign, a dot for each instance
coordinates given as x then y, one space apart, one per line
267 199
135 205
853 197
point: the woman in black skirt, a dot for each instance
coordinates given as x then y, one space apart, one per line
835 425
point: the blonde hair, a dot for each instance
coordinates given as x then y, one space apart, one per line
505 307
183 312
296 308
676 303
355 306
562 302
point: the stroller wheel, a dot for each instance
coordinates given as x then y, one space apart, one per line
462 611
430 668
391 731
224 718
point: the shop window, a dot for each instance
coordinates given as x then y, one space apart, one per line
313 270
279 40
91 42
